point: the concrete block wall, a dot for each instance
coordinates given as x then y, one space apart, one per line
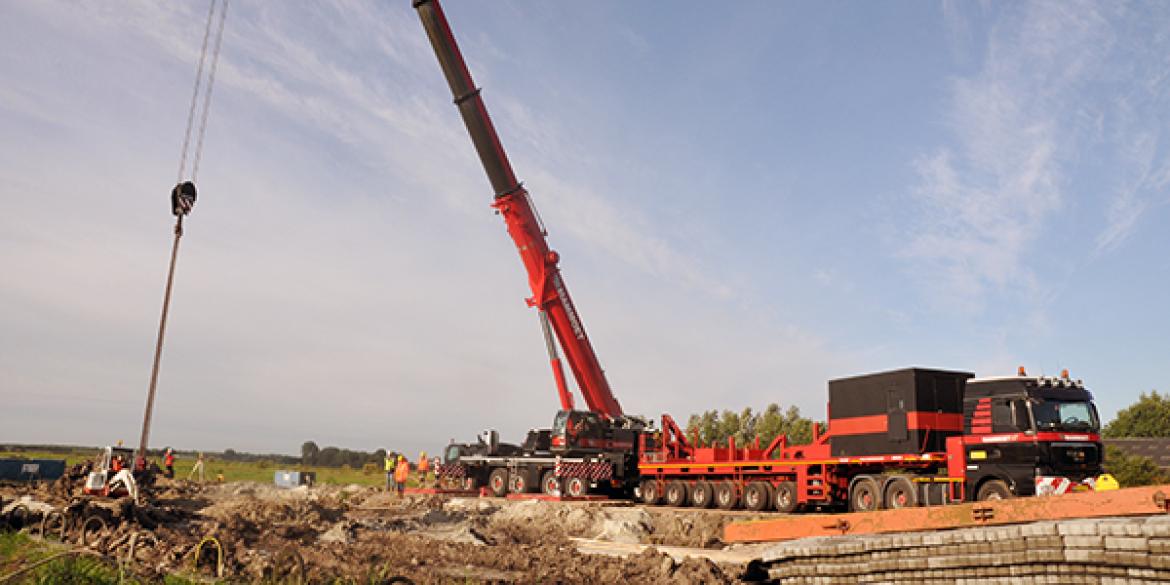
1104 550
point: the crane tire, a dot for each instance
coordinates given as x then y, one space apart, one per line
550 484
575 487
498 482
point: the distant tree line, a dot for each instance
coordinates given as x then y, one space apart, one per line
714 428
1148 417
311 454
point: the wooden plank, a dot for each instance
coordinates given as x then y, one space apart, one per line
1124 502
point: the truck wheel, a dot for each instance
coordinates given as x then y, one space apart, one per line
550 484
757 496
676 493
784 499
518 483
995 489
726 495
498 482
651 492
701 494
576 487
864 495
901 493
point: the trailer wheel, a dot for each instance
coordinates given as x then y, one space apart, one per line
864 495
726 495
676 493
995 489
550 484
518 482
900 493
784 498
651 492
702 495
498 482
576 487
757 495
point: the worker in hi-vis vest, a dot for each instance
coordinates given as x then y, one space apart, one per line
390 464
402 473
424 466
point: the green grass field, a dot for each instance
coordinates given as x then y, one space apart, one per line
259 471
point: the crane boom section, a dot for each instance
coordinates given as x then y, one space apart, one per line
549 293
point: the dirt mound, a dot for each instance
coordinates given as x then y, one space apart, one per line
257 531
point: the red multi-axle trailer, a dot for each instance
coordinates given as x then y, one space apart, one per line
906 438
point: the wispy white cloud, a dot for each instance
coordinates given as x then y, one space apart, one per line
324 280
985 199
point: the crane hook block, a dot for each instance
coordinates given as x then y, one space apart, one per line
183 198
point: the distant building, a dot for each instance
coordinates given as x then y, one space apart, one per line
1157 449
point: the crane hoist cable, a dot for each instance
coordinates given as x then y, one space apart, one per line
184 193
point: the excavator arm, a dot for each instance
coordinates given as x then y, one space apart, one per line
549 294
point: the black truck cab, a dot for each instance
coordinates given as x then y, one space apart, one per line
1030 434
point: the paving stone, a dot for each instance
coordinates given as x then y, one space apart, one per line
1078 527
1127 543
1097 542
1039 529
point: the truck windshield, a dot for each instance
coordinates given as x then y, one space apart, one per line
1065 416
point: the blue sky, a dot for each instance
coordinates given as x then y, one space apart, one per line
749 200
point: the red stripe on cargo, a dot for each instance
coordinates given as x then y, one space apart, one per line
935 421
878 423
858 425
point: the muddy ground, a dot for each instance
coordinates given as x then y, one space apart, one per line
367 535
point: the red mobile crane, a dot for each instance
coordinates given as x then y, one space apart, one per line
583 447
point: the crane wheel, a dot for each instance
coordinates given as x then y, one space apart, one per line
900 493
498 482
702 494
757 496
550 484
727 495
518 483
784 498
576 487
676 493
651 492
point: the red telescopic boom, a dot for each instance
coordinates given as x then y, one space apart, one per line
549 294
